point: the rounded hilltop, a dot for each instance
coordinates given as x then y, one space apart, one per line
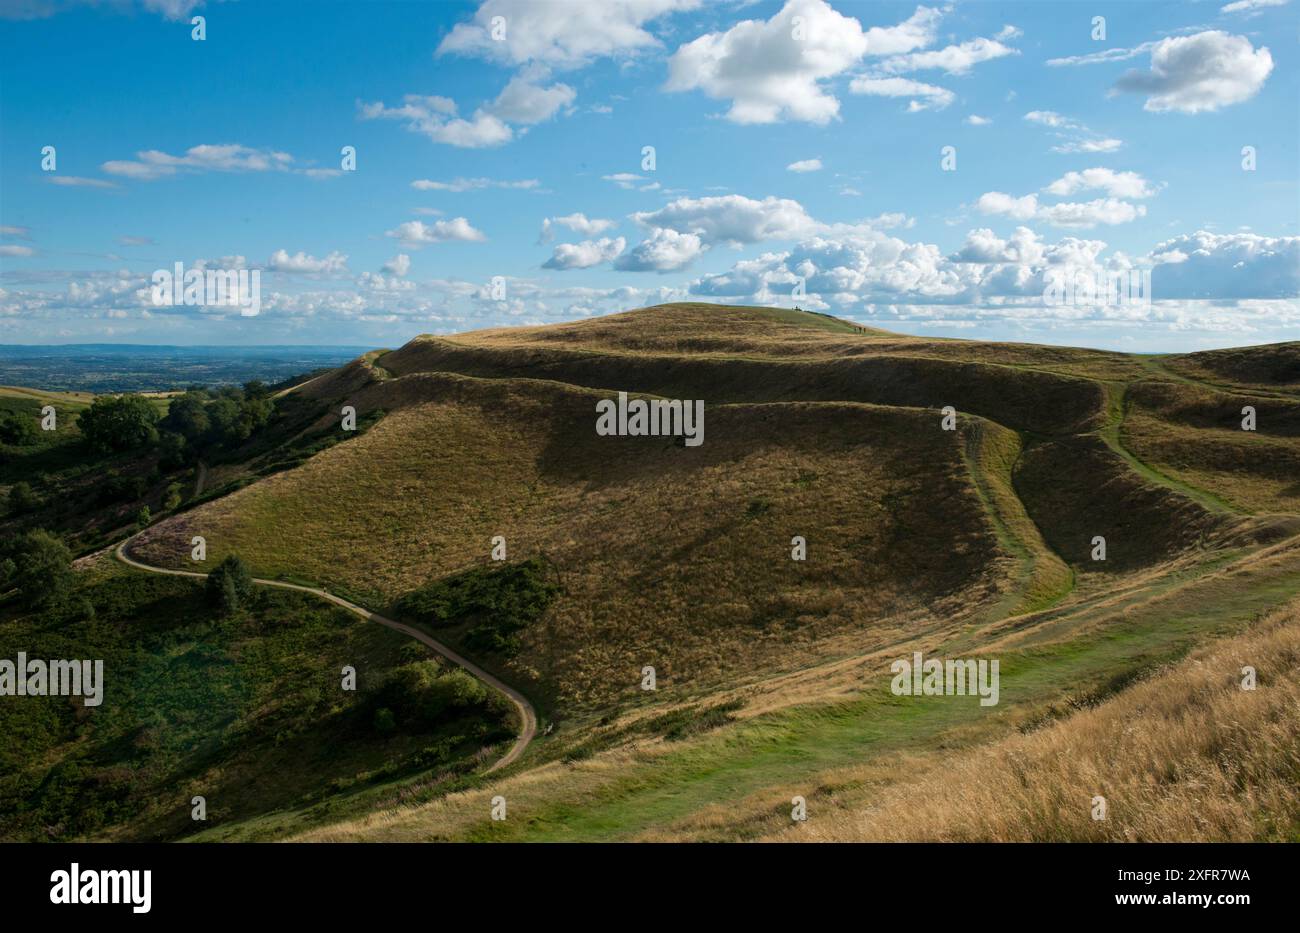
686 326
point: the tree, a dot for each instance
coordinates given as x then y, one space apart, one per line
121 422
230 585
254 413
226 428
173 497
143 517
22 498
17 428
422 694
187 416
41 569
173 450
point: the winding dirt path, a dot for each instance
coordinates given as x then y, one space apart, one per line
527 716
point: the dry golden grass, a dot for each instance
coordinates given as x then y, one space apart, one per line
679 557
669 556
1194 433
1186 755
1018 397
617 783
1274 367
709 330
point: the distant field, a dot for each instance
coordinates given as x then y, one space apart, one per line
101 368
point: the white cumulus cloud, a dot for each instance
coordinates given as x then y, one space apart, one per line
399 265
578 222
805 165
663 250
436 118
1116 184
226 157
524 100
954 59
1230 265
471 184
924 96
281 261
1104 211
1200 73
774 70
557 32
732 219
586 254
418 233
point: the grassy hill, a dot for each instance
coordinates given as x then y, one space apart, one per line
772 673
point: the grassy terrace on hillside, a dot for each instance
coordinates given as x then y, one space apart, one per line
991 454
1191 433
1113 436
1273 369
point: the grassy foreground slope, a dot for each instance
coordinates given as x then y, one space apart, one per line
835 734
977 540
1186 755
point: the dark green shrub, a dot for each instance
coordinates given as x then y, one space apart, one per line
384 720
22 499
118 488
40 566
121 422
230 585
18 428
496 603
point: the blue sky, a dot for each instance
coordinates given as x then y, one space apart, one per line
779 159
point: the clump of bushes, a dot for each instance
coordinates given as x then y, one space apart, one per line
22 498
18 428
220 420
229 586
495 603
423 695
119 422
39 565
